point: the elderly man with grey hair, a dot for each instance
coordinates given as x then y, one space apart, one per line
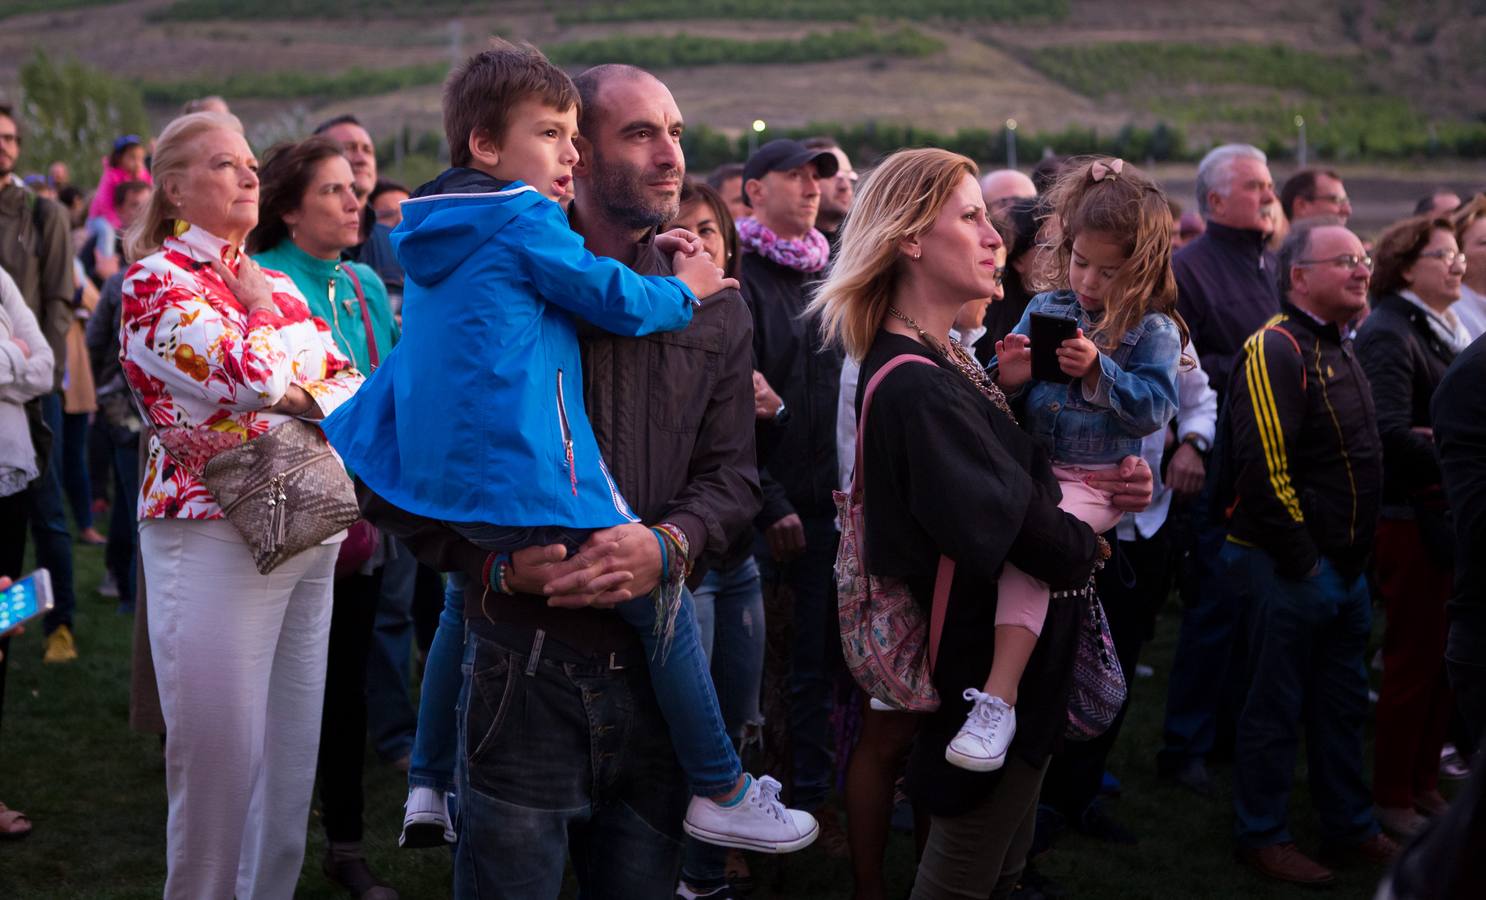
1226 291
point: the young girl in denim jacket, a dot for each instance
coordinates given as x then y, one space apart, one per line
1107 251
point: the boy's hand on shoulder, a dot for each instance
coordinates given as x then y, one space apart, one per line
678 240
701 274
1013 361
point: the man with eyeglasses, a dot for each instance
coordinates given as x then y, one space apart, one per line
1307 464
1315 192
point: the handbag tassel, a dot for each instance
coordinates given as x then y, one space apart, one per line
278 502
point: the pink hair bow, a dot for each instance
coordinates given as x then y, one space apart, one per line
1101 170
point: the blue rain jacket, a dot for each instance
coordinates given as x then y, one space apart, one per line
477 415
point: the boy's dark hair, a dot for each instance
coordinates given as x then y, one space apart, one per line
481 91
346 119
283 179
123 189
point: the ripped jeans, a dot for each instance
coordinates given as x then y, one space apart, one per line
730 616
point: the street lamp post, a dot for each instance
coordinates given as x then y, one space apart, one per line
1300 148
1011 143
758 129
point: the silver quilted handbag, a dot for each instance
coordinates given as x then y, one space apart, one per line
284 491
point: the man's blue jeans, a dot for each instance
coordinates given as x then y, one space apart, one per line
563 756
730 615
1307 644
390 716
814 657
1202 668
49 522
682 684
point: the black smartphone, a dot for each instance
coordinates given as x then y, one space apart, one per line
1048 334
25 600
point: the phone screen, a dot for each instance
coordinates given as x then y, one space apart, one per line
27 598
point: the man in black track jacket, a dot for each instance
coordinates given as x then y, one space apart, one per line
1307 462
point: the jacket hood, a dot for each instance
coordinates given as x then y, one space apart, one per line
450 217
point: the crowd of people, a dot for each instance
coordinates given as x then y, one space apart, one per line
591 437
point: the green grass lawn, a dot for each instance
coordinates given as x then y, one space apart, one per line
95 792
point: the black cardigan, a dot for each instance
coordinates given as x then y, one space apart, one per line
1460 431
1404 362
946 472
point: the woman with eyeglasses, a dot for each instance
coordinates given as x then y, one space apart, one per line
1405 347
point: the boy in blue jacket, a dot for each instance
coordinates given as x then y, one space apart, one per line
476 418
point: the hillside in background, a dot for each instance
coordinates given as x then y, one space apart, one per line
1400 82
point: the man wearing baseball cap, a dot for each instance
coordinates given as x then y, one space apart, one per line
783 256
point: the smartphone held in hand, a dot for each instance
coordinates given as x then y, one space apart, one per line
25 600
1048 334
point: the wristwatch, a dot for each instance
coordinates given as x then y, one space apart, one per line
781 415
1199 443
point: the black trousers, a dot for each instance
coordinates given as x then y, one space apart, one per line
1132 586
13 518
343 725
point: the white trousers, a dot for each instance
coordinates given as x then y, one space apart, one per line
240 660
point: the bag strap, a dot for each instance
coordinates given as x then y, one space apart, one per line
945 575
371 337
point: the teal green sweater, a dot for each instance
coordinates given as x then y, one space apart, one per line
314 278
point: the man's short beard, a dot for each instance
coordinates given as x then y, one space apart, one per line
620 192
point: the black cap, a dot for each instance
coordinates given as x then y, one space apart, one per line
782 155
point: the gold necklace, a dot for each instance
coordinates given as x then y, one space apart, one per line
956 355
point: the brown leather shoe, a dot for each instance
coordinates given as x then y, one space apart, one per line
1284 862
1378 850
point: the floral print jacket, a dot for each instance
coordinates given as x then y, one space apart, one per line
206 372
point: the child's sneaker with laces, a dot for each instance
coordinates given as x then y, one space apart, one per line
425 822
754 821
981 744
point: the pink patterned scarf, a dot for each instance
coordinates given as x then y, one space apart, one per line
809 254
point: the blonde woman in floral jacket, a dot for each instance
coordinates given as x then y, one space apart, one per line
218 351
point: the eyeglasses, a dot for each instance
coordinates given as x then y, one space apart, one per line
1344 261
1448 257
1337 199
1000 275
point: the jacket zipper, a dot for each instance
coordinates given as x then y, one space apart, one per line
335 321
567 433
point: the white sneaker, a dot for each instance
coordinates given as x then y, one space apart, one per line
757 822
981 744
426 820
881 706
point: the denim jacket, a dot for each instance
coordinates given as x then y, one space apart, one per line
1136 395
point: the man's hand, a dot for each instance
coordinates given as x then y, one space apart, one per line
631 553
534 568
786 538
1013 361
766 403
1129 485
1186 472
